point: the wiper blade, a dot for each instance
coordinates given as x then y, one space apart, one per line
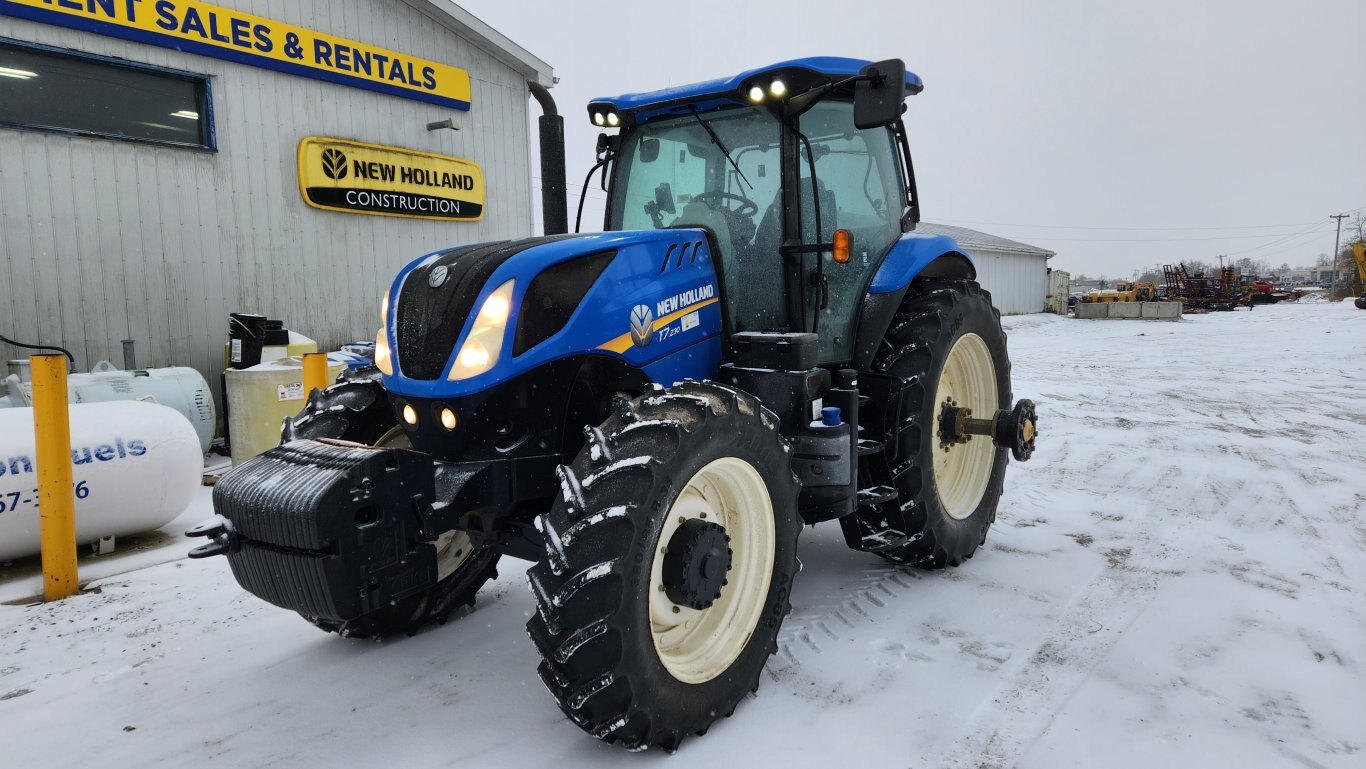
717 141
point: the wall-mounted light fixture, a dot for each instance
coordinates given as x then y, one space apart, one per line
447 123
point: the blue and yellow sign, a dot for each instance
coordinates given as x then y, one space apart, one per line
223 33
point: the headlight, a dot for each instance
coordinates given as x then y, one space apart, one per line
479 353
382 359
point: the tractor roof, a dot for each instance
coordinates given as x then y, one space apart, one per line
799 75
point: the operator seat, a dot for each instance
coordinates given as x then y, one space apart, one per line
770 232
699 214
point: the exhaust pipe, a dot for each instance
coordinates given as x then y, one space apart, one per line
554 205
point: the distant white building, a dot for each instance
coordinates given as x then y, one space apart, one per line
1015 273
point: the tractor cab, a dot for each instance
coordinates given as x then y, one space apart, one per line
799 173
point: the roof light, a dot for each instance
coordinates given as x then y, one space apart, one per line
598 119
756 94
187 114
21 74
777 88
613 119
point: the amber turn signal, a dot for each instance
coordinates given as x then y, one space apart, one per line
843 243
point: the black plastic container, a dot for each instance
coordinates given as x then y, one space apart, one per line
276 333
247 335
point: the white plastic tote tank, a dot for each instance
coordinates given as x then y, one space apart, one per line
136 467
259 399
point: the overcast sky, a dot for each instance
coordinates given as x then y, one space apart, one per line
1118 134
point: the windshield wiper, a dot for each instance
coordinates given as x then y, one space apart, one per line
717 141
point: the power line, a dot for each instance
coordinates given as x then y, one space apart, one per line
1170 240
1139 227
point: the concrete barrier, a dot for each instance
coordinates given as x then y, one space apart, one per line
1162 310
1127 310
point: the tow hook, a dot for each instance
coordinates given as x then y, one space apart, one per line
222 539
1015 429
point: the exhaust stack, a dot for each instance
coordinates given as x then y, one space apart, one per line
554 205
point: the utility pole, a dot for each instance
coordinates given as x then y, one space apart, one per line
1336 238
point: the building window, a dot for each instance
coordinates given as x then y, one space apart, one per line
51 89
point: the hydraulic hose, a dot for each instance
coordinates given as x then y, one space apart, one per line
62 350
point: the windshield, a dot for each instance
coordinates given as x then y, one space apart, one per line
673 173
722 170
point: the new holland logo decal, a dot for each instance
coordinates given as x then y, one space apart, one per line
669 317
642 325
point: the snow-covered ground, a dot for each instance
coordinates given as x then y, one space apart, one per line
1177 579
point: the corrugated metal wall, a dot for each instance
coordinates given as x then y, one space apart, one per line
1018 282
103 240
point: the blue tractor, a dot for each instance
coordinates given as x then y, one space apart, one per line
759 340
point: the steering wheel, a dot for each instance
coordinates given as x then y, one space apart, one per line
747 207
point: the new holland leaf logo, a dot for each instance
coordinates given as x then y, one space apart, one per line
334 163
642 325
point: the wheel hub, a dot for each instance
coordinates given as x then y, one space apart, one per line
696 562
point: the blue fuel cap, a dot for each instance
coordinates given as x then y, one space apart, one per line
830 416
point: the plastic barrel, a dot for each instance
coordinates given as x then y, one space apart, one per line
246 337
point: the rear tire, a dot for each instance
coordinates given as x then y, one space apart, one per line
357 410
1361 302
622 658
944 342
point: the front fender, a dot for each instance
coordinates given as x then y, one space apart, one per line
911 254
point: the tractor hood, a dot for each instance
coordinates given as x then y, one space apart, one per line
465 319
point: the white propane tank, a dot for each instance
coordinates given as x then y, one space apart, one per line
136 467
178 387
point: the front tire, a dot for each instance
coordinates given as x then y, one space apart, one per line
645 635
945 344
357 411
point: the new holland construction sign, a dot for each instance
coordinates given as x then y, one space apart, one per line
340 175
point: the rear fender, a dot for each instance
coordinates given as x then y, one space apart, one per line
913 256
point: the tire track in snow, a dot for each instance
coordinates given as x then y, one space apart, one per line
1141 551
811 625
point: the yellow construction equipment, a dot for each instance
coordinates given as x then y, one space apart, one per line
1359 250
1124 291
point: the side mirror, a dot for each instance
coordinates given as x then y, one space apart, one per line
649 150
664 194
879 94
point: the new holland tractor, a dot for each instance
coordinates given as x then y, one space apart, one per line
759 340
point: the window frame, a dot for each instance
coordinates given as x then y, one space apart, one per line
204 84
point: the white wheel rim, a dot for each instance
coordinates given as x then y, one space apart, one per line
452 548
696 646
962 471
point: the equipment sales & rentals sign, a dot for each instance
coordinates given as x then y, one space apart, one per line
340 175
223 33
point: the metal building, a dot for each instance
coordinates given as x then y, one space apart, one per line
164 164
1015 273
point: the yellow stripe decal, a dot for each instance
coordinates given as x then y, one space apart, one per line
623 343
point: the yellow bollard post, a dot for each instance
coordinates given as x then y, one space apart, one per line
315 372
56 498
